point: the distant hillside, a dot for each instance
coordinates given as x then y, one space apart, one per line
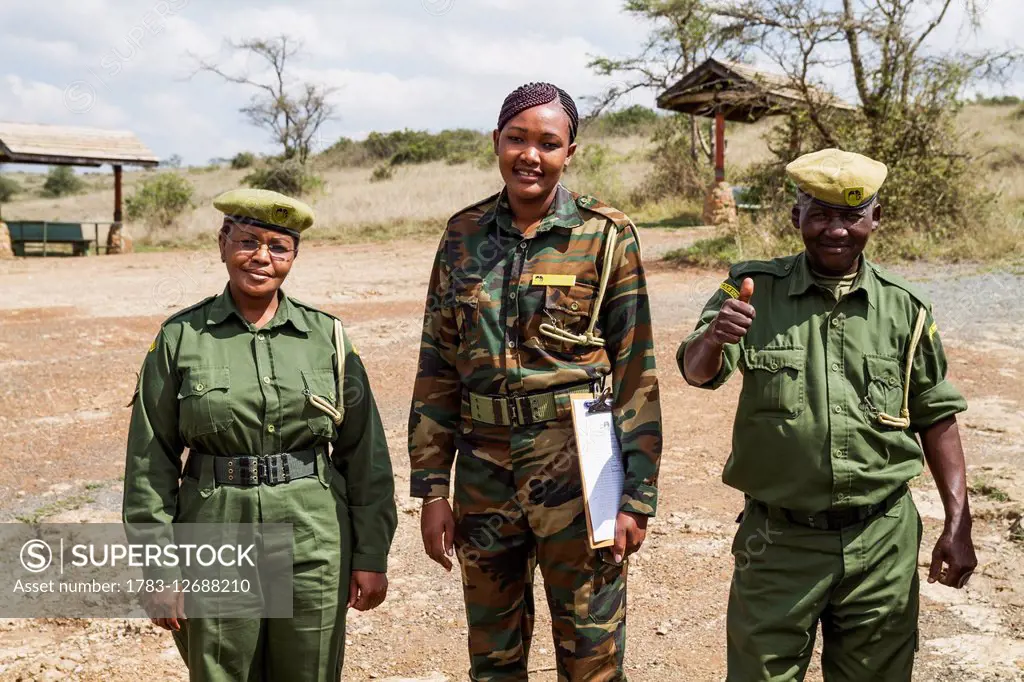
435 175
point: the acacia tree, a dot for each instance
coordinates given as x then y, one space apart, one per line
291 112
907 88
683 35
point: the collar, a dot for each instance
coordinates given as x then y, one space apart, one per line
562 214
801 279
223 307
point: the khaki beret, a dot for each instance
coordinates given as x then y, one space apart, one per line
263 208
837 178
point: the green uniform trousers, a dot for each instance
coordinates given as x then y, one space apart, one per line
519 499
861 583
310 646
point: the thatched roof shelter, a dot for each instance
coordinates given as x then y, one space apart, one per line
71 146
740 93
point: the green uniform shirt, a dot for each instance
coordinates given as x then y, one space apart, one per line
816 371
213 382
490 290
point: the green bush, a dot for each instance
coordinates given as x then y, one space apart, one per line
243 160
382 173
401 147
285 176
62 181
8 188
160 199
675 173
633 120
998 100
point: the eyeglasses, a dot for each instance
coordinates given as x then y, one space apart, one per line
278 252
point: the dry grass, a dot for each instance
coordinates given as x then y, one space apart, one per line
997 135
420 198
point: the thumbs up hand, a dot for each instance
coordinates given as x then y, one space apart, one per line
735 317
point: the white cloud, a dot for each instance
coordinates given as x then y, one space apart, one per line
37 102
425 64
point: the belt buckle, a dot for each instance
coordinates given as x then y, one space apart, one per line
513 410
274 469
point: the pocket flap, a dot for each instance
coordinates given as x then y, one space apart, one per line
775 359
884 369
575 300
201 380
320 382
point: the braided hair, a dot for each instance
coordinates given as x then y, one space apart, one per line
535 94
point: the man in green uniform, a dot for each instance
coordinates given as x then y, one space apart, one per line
843 372
276 410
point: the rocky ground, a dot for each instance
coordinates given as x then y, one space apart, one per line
73 333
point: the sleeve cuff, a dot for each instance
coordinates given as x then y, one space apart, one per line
642 500
715 381
375 563
430 484
939 402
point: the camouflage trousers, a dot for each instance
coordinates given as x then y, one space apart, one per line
518 503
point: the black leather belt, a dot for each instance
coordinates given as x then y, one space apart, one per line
835 519
248 470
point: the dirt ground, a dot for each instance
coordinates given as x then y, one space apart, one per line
74 331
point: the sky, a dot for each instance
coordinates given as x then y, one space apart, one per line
421 64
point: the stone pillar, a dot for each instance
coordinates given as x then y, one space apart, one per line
6 250
719 205
118 240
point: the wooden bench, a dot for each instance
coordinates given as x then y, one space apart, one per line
25 232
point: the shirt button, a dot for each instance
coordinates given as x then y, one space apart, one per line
266 380
838 453
835 321
892 381
512 295
511 344
270 429
200 387
835 366
259 337
575 305
837 409
522 245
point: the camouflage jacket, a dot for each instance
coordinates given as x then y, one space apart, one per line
490 290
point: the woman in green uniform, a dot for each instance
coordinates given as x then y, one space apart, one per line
276 411
536 293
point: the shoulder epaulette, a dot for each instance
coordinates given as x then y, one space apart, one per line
899 282
187 309
313 308
492 198
585 201
778 267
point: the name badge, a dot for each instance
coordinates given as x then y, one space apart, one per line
554 280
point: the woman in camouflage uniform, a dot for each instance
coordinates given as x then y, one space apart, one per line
536 293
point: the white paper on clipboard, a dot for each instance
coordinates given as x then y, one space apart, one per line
600 457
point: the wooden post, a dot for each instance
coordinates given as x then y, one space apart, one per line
719 146
117 194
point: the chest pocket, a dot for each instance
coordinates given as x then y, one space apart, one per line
203 402
774 382
321 383
884 385
568 309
